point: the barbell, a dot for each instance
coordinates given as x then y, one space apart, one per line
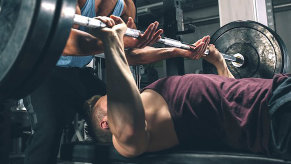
263 50
94 23
34 32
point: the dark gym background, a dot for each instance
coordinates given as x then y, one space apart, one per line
204 15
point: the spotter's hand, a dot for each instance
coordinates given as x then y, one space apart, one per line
197 49
148 38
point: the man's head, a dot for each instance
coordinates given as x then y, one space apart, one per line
97 114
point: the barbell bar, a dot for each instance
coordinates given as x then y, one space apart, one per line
236 59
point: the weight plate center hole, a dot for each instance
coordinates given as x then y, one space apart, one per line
241 59
250 57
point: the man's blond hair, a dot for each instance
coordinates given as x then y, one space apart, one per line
95 116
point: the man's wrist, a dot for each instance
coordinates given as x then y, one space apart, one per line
130 42
109 37
175 52
222 66
224 72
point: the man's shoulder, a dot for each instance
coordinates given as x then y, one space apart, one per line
130 10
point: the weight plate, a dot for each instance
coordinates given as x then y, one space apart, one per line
0 5
262 49
33 34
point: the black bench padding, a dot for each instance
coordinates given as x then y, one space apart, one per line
105 153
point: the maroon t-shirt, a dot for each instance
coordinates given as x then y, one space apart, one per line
215 109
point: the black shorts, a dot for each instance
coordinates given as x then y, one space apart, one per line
280 111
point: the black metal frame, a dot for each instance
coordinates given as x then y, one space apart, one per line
173 23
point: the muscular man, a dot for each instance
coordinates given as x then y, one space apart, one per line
189 110
55 102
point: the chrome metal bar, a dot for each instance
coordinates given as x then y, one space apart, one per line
94 23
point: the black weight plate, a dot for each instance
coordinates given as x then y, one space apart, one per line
33 34
0 5
261 47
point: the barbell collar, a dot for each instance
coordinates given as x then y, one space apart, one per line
239 60
236 59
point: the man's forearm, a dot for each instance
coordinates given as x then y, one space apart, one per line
125 109
223 70
82 44
149 55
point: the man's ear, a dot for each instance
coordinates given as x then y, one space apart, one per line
104 123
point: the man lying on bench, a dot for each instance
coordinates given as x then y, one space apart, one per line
248 114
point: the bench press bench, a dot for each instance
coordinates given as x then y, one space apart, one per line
98 153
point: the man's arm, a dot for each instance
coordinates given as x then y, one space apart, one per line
81 43
150 54
125 113
218 61
223 70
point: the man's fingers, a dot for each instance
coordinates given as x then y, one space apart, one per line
206 41
117 20
197 42
150 36
130 23
145 43
146 37
108 21
198 50
143 37
153 38
153 31
148 31
204 47
156 37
